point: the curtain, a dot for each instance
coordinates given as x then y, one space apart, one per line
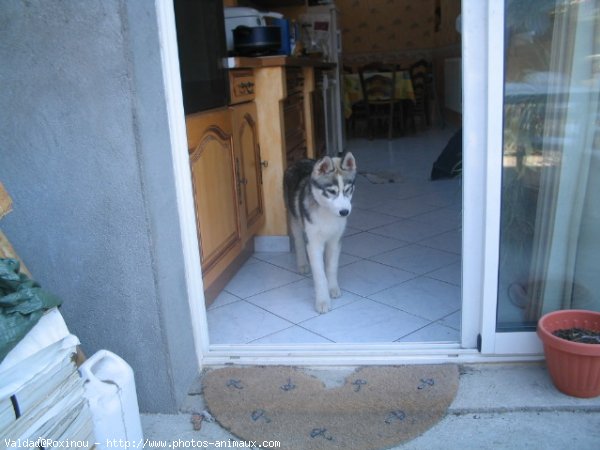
566 220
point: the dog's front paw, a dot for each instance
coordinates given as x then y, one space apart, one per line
323 306
335 292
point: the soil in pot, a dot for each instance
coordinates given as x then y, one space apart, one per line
581 335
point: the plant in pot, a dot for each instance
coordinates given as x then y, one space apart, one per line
571 341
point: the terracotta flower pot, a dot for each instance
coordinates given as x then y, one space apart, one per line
574 367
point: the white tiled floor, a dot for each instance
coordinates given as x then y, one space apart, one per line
399 270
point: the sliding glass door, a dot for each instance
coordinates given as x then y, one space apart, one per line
549 222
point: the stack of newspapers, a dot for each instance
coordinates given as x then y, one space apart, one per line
42 403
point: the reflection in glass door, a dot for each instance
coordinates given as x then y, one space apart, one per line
550 197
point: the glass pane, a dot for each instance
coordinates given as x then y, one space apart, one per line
550 211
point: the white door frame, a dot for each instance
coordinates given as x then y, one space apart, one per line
479 238
492 342
474 19
183 177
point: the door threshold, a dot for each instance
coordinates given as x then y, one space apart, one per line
336 354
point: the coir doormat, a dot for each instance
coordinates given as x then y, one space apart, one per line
377 407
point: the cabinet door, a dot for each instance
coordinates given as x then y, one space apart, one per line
248 168
213 162
318 110
295 128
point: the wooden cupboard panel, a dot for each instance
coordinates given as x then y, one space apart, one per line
293 110
318 117
216 197
294 80
249 167
241 85
226 176
295 128
295 154
270 91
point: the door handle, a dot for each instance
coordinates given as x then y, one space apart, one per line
239 180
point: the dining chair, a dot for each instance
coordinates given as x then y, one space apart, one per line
420 75
378 83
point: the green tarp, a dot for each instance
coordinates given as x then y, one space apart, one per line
22 303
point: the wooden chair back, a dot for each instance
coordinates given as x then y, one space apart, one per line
378 82
421 76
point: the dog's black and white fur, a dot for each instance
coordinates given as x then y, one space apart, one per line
318 197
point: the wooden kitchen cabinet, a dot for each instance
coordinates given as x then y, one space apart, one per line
248 168
294 122
318 112
283 90
225 166
294 126
238 156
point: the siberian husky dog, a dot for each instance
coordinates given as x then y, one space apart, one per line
318 196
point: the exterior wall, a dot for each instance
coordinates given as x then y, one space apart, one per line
86 159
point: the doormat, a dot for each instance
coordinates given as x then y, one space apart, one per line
376 407
382 177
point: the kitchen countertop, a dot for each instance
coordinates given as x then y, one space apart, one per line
239 62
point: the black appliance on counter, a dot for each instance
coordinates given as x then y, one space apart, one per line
201 42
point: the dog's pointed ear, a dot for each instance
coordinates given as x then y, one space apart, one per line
323 166
349 163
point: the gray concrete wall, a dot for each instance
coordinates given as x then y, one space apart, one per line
85 155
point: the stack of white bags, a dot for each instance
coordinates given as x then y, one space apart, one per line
42 402
46 401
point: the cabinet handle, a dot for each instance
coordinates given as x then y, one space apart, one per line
238 179
265 164
247 87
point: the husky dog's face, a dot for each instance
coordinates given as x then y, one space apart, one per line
332 183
